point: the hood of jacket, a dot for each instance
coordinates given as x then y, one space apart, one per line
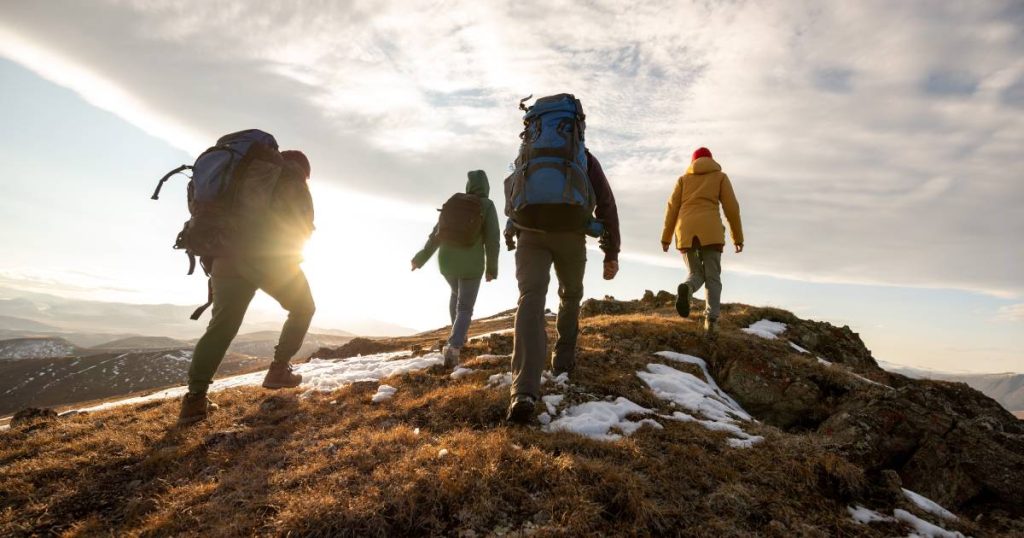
477 184
703 165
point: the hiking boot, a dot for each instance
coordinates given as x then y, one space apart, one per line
562 365
520 411
451 357
683 300
195 406
710 325
280 376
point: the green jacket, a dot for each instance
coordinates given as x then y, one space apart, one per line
468 262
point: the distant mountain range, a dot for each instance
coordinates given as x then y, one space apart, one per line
1005 388
89 323
52 371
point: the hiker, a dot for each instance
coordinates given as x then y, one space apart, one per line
468 237
551 198
251 216
693 217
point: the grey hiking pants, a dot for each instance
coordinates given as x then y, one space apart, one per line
460 307
231 297
535 255
705 265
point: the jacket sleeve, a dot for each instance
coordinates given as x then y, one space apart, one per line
731 207
675 202
424 254
492 240
606 211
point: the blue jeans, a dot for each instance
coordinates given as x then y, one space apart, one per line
460 307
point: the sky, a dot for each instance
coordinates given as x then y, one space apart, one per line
874 147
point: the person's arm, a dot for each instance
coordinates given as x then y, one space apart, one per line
731 208
423 255
675 201
606 210
492 241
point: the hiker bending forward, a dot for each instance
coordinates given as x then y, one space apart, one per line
468 237
268 259
693 217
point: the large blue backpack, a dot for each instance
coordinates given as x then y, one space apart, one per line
549 188
231 189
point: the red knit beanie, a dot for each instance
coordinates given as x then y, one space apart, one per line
298 158
701 152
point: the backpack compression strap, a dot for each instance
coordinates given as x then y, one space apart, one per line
209 301
160 185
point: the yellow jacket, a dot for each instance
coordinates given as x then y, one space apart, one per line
693 207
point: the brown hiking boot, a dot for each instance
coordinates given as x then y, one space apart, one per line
280 376
195 407
520 410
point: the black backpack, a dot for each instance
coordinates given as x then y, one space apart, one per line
461 220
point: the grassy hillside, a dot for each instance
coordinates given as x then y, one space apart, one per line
437 458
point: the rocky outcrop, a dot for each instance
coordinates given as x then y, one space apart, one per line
947 441
837 344
356 347
32 415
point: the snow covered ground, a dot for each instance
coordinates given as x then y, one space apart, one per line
918 527
766 329
609 420
318 375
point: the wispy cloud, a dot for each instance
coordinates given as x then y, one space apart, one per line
868 141
1012 313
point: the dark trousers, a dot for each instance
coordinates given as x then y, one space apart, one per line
535 255
232 294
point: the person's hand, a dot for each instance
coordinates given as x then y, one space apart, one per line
611 268
414 266
664 247
490 277
739 248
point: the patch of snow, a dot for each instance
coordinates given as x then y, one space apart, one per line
740 439
500 380
561 379
705 397
766 329
823 361
323 375
544 419
442 453
692 393
416 431
552 401
461 372
493 358
864 516
923 528
798 348
492 333
597 419
928 505
384 393
690 359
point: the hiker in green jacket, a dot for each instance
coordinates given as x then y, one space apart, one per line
271 254
463 265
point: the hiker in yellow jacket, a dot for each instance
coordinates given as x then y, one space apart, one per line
693 217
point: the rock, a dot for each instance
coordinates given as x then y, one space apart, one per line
946 441
356 347
835 344
32 415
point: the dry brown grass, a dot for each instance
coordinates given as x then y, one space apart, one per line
337 465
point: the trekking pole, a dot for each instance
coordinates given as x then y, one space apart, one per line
160 184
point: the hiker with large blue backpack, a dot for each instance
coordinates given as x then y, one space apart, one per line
556 189
251 214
